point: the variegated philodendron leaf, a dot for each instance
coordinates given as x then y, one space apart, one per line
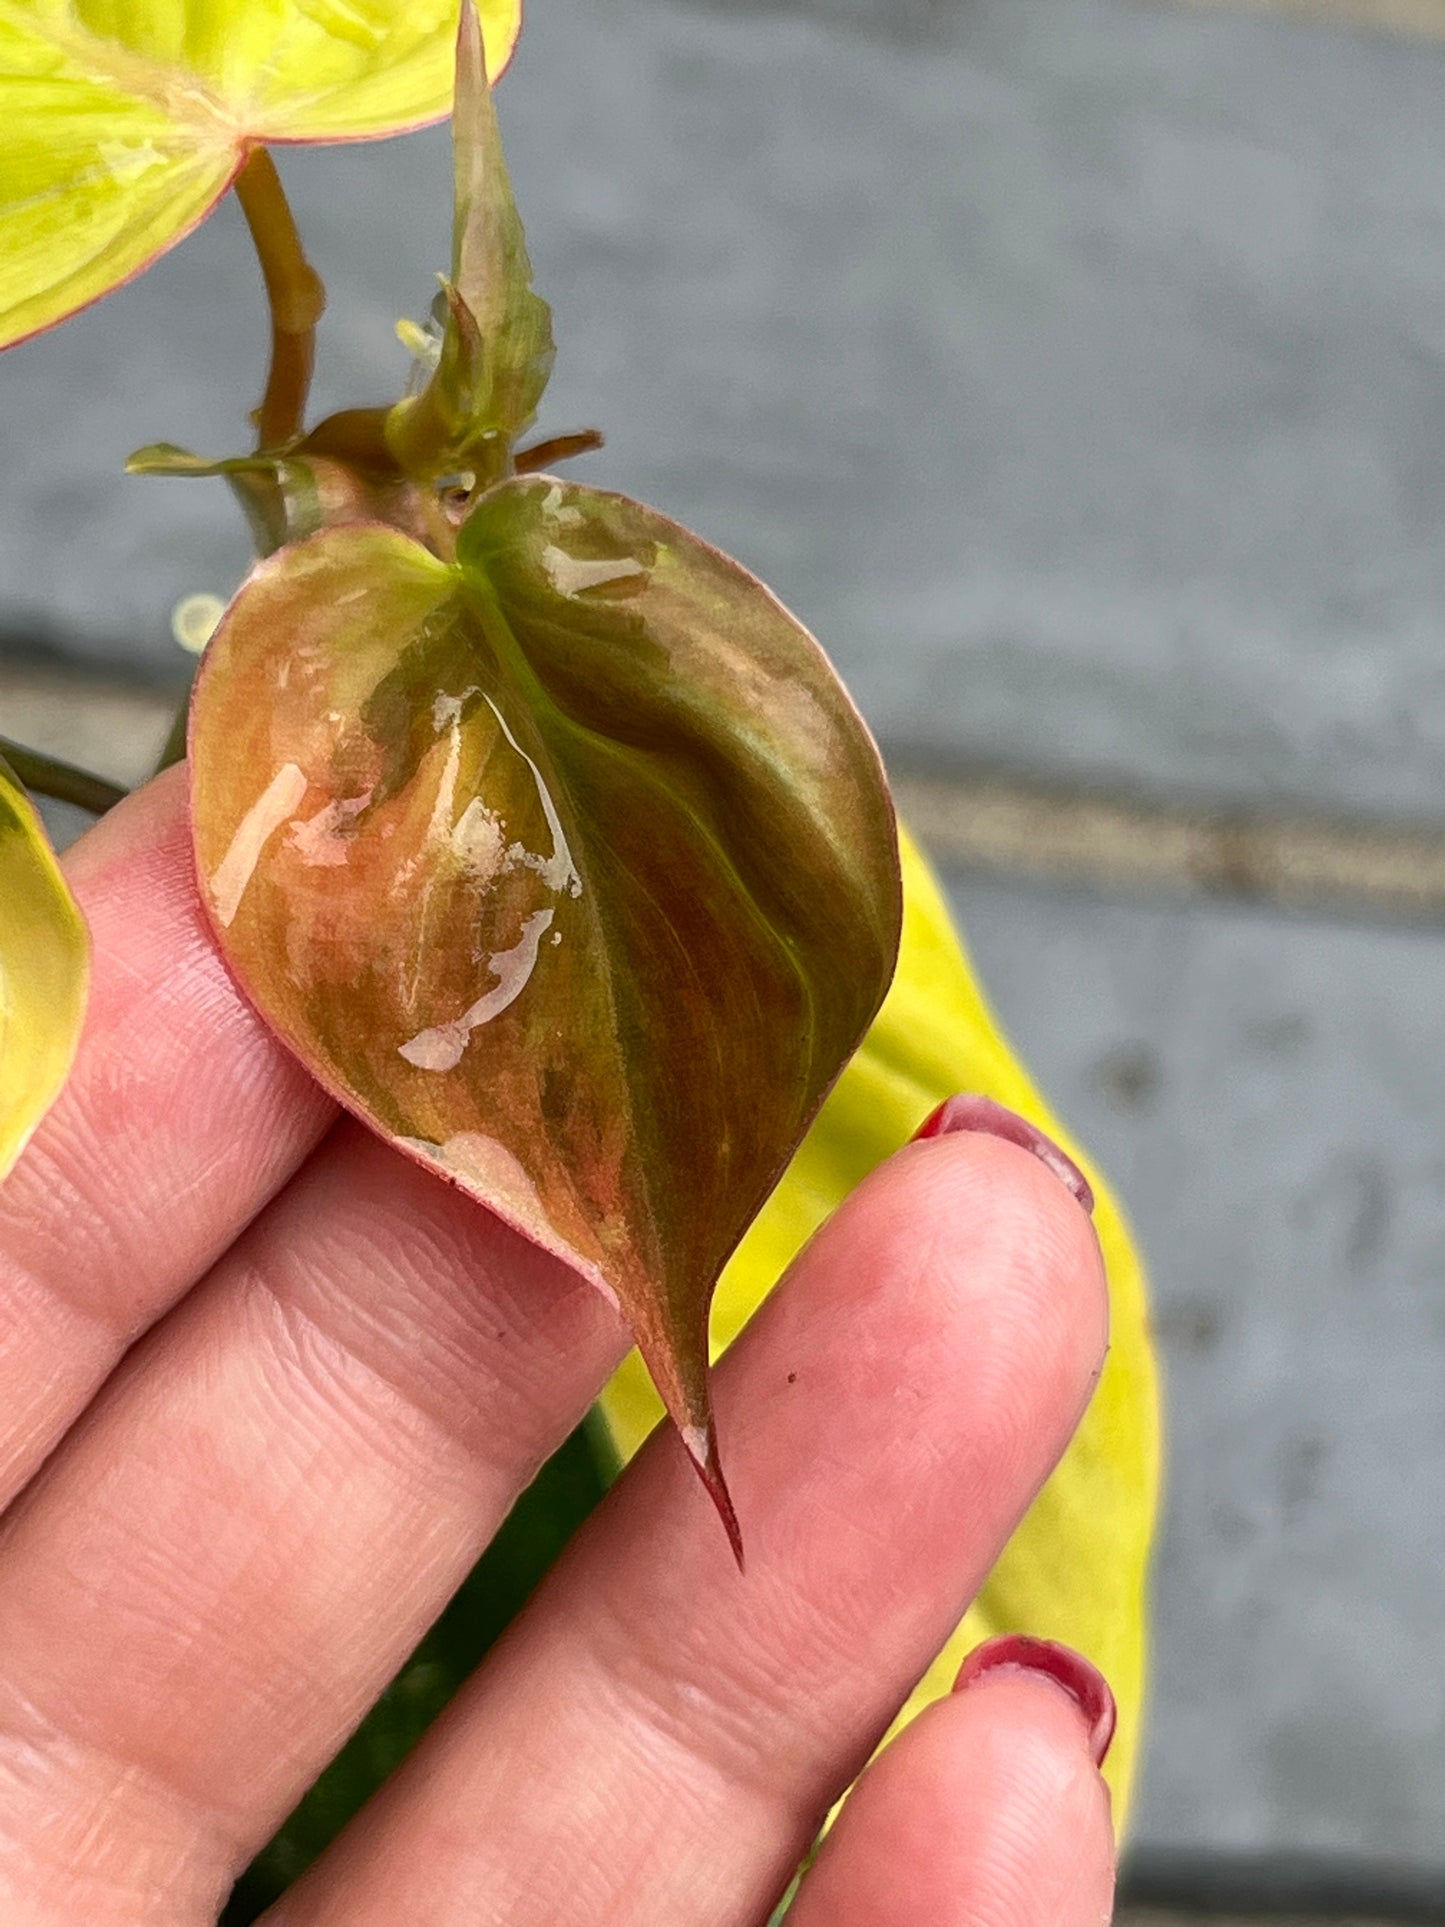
122 122
570 867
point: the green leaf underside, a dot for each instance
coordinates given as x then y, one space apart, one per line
44 971
496 347
122 122
571 868
287 497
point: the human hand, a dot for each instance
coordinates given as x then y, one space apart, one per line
266 1390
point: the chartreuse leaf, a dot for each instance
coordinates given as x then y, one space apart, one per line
122 122
44 971
570 867
496 346
1077 1567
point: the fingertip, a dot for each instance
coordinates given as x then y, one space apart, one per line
1047 1659
996 1209
972 1112
988 1811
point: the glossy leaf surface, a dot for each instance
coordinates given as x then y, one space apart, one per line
44 972
123 121
496 347
1077 1568
571 868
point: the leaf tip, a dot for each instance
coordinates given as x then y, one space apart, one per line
471 45
701 1443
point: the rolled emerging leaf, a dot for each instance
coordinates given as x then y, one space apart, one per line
496 347
122 125
571 868
44 971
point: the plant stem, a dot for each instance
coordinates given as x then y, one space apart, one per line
296 296
559 448
48 776
175 749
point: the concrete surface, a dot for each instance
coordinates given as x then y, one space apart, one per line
1265 1093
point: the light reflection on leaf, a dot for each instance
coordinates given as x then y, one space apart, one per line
571 868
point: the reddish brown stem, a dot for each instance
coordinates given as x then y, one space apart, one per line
295 294
560 448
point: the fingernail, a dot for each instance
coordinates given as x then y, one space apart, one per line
1084 1683
970 1113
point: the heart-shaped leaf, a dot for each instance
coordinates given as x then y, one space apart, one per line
570 867
122 122
44 971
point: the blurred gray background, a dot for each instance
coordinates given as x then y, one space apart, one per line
1076 370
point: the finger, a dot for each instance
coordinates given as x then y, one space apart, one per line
658 1738
182 1116
264 1510
988 1811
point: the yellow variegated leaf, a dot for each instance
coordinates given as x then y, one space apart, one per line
44 971
1077 1568
122 122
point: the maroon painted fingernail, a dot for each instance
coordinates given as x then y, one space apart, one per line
967 1112
1084 1684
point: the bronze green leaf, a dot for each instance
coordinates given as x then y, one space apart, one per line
570 867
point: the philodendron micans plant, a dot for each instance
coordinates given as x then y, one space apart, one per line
538 829
535 826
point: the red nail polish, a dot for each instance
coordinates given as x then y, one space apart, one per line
1084 1684
970 1113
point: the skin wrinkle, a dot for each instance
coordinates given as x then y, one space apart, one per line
317 1380
76 1838
1046 1780
153 1606
155 1579
470 1361
684 1776
54 1198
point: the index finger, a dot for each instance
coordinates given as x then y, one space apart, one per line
182 1117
